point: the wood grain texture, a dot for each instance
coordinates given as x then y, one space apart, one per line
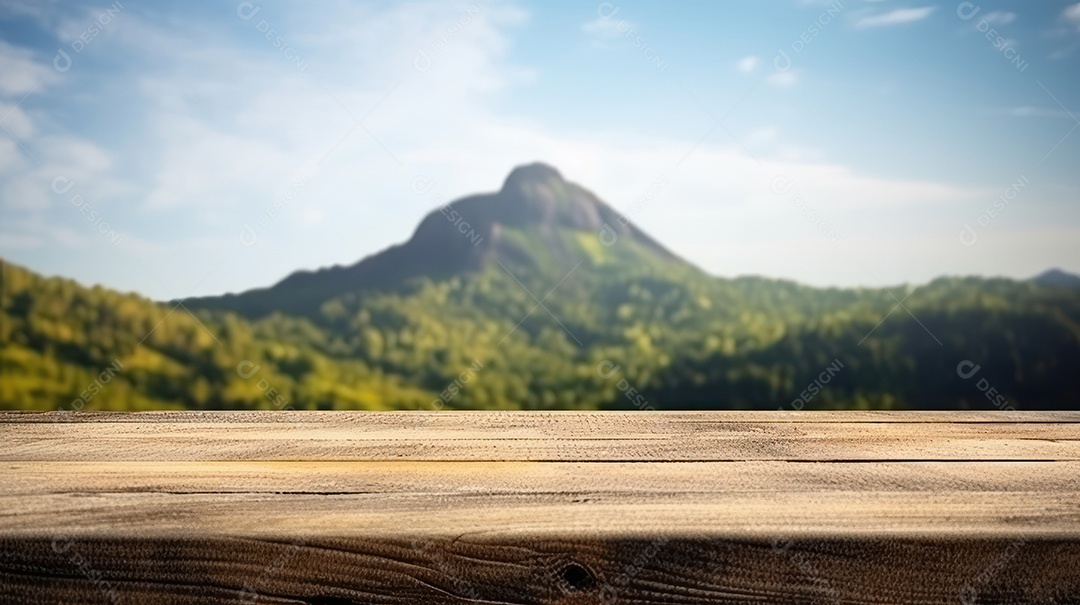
563 507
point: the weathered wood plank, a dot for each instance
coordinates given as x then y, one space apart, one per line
744 507
35 478
660 570
402 498
536 437
543 419
287 516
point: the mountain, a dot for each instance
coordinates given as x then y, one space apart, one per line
1057 278
539 296
537 222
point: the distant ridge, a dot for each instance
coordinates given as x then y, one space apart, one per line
1057 278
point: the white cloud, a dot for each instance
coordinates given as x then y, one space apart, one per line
999 17
312 216
600 26
35 155
76 155
748 64
22 74
202 166
766 134
23 193
24 8
1072 13
1030 111
9 154
714 176
20 241
783 79
604 31
898 16
283 122
1063 53
67 236
31 157
35 231
15 121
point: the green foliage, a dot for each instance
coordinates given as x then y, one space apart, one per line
63 346
634 333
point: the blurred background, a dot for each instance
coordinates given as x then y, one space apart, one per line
797 204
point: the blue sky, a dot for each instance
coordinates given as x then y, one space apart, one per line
189 148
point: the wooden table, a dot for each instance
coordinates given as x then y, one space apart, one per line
561 507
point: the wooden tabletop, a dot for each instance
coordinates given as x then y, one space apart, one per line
545 507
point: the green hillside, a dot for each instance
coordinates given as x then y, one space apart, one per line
677 343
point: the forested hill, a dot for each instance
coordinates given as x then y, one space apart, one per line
647 341
548 299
